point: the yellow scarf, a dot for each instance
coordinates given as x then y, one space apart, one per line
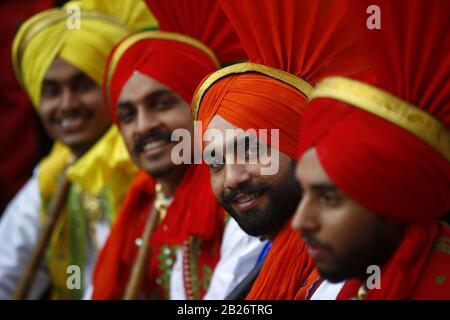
100 178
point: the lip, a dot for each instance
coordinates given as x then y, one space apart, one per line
315 251
249 204
155 151
71 125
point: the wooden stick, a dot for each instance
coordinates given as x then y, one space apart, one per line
136 281
55 209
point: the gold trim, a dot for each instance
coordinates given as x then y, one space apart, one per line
50 17
161 35
389 107
298 83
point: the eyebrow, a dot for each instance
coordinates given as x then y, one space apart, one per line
237 140
123 105
73 77
324 187
79 76
151 96
232 143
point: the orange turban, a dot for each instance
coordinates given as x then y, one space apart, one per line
248 101
291 45
271 91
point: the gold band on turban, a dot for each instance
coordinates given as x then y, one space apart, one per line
389 107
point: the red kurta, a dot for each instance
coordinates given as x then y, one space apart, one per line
196 223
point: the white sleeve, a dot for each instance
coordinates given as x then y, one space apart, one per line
327 291
103 229
177 291
238 255
19 228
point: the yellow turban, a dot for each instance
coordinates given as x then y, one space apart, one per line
55 32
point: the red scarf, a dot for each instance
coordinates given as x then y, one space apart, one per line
413 270
287 269
198 220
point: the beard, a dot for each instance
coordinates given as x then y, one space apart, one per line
283 195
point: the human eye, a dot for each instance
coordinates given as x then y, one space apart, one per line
214 161
164 102
50 90
329 198
84 84
125 115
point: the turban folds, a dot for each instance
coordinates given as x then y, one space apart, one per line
194 38
50 34
248 102
384 138
281 55
159 55
291 45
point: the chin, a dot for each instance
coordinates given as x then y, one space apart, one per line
333 276
160 171
77 144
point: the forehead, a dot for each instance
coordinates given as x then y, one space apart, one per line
219 126
140 85
61 70
309 169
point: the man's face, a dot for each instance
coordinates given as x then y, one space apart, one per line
343 237
71 107
261 204
148 112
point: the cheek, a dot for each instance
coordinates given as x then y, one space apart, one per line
125 132
255 171
46 108
94 101
217 184
178 117
350 232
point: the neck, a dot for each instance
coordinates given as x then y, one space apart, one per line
271 236
170 182
78 152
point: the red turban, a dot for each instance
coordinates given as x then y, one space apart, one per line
396 166
199 31
195 37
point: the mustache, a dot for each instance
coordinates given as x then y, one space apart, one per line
310 240
154 135
250 188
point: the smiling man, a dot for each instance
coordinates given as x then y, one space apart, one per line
71 107
61 70
374 163
196 252
269 94
148 137
260 203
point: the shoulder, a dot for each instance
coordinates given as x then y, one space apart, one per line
27 199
